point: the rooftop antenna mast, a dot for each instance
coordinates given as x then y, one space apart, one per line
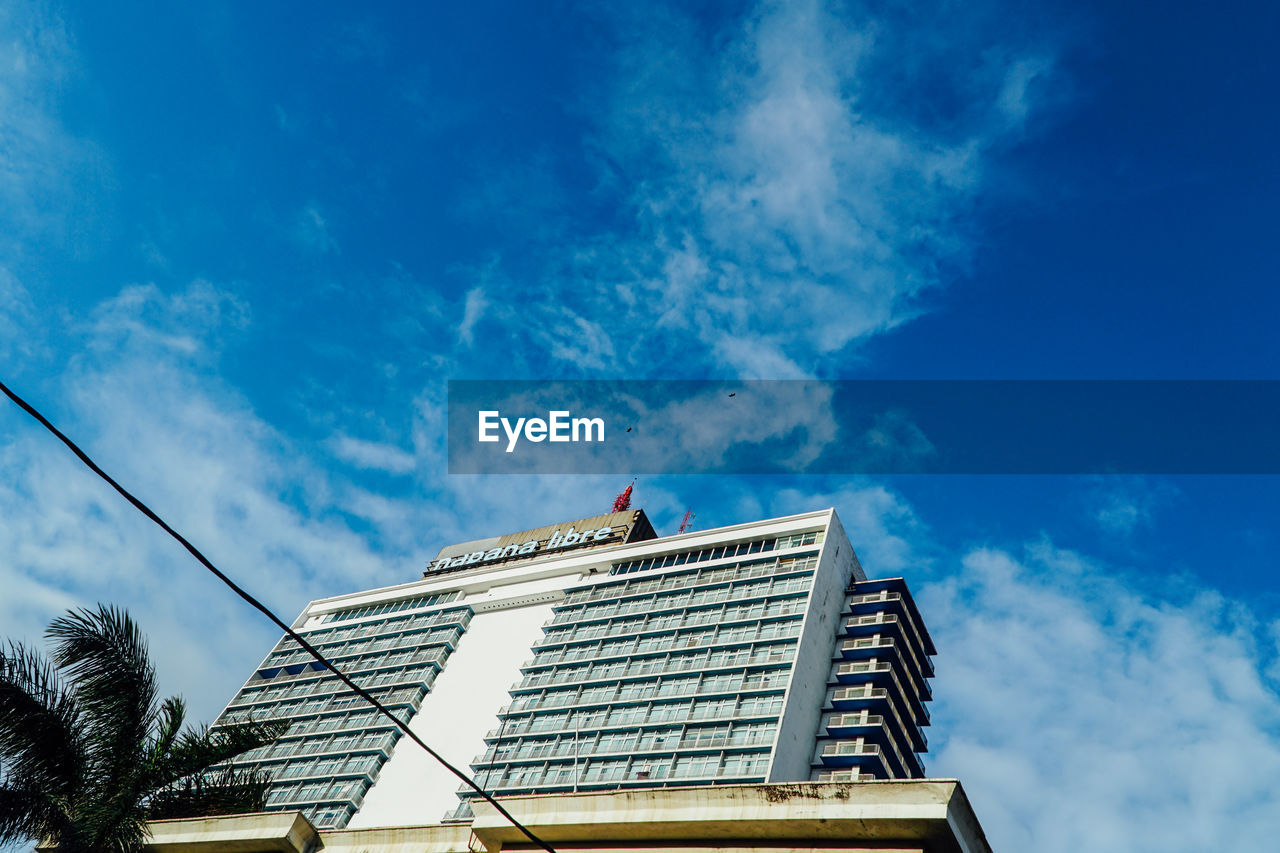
689 516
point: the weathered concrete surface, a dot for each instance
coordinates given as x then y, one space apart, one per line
287 832
931 813
920 815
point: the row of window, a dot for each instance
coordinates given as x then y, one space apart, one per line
745 766
311 793
329 685
390 606
341 744
605 743
688 578
637 691
335 651
687 639
324 768
327 816
589 614
360 719
707 659
723 709
394 660
661 561
672 621
323 705
460 616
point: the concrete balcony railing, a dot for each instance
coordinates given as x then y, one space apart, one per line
845 776
844 721
849 748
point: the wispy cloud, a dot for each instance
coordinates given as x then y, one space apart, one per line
776 209
311 231
45 170
1124 505
375 455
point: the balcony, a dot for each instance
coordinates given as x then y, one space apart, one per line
844 725
880 646
880 673
889 594
851 753
854 775
889 625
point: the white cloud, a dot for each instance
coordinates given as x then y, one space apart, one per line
143 404
1082 714
888 537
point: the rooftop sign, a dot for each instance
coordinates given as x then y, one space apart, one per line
609 529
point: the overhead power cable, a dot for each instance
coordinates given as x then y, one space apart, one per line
262 608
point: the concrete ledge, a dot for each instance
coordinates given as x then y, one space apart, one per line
436 838
285 832
931 814
906 816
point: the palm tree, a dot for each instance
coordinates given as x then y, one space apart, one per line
88 752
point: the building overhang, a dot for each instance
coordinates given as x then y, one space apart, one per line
285 832
926 815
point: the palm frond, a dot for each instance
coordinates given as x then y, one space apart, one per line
202 748
88 754
227 790
105 655
27 813
168 728
39 733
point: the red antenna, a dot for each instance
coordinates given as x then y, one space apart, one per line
622 502
684 523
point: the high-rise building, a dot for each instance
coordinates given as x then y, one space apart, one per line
594 655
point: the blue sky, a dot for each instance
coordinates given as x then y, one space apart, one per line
242 249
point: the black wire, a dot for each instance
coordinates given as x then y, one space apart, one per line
204 561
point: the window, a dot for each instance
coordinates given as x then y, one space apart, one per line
627 715
678 686
649 770
635 690
599 694
745 764
590 718
712 709
605 771
669 711
693 766
558 774
756 706
722 683
705 736
616 742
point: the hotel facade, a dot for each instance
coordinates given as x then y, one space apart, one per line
591 657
